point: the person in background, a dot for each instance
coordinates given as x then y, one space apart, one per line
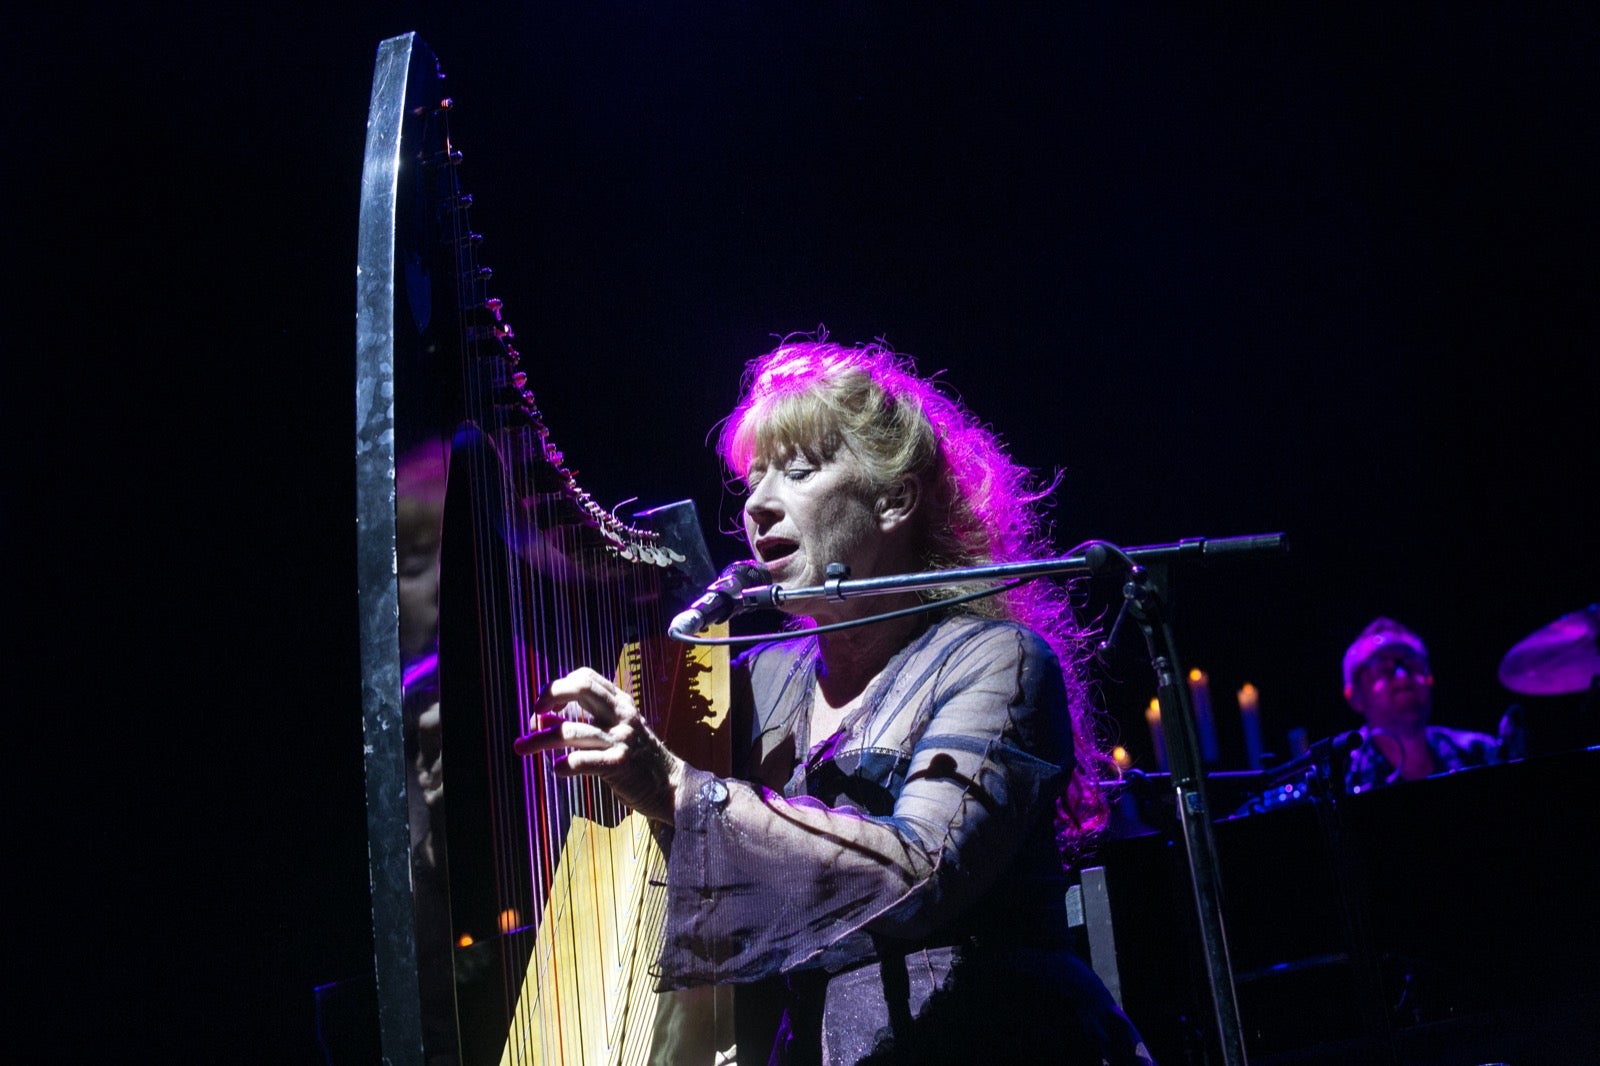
1389 683
882 876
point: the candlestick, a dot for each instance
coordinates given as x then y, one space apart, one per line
1249 717
1152 718
1200 694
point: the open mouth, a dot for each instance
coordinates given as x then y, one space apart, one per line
774 550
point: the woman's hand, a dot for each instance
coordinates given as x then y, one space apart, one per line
611 741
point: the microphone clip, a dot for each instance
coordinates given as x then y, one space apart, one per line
722 599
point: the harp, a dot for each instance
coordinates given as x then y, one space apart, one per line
515 918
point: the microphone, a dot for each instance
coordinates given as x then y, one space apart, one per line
1324 750
721 600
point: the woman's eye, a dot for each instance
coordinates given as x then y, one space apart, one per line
798 473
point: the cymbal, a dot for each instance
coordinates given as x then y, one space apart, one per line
1560 658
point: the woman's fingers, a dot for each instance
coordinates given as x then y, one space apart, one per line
609 740
551 732
593 692
596 761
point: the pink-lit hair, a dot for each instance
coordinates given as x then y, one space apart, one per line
814 398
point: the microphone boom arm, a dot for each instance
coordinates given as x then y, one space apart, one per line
1096 557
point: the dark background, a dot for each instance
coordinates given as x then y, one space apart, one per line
1324 270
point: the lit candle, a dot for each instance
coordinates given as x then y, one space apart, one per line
1120 756
1152 717
1249 717
1200 693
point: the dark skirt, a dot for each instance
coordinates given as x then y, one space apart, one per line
962 1004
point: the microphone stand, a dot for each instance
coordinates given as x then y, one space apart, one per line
1145 603
1321 764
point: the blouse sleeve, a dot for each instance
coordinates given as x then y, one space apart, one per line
759 884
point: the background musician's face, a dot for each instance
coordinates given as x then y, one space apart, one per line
803 513
419 515
1393 691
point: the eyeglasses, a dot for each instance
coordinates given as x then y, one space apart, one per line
1389 666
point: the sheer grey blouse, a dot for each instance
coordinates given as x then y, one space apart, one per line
926 820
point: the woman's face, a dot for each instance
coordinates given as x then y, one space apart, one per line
803 514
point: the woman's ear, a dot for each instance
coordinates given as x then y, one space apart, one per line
899 502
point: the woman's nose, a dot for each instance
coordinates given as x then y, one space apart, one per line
761 505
